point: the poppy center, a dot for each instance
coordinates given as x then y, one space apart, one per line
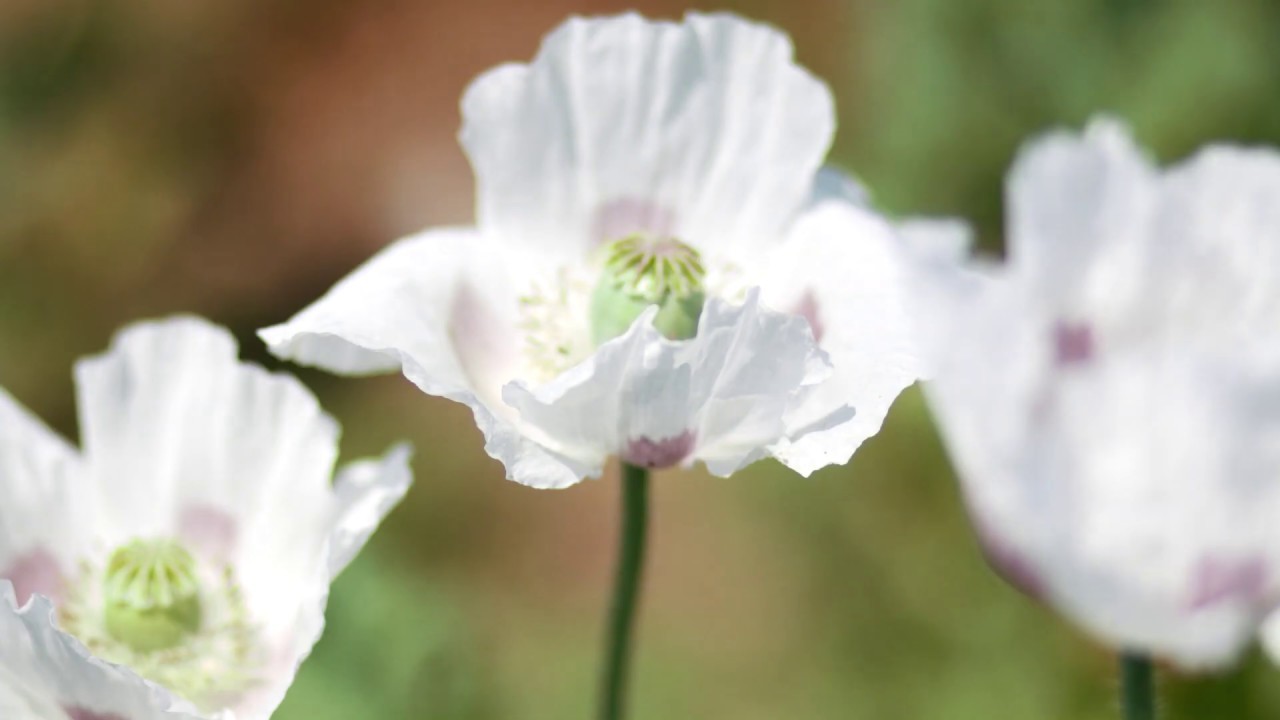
170 616
151 595
641 270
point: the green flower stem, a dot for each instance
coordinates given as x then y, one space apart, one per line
635 518
1137 687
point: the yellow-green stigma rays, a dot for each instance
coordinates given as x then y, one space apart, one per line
642 270
151 594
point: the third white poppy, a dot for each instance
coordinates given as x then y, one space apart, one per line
1110 392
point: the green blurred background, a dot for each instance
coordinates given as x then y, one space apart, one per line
234 158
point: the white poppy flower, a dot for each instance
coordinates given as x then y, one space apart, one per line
639 164
1110 393
178 566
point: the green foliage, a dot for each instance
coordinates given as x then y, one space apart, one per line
395 647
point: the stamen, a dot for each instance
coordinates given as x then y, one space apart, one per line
553 322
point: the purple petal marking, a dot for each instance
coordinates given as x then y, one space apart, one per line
807 308
208 530
1217 580
624 216
34 572
76 713
1073 343
662 453
1010 564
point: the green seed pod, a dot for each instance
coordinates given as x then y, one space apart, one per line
639 271
152 595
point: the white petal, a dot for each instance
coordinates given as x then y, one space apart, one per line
1173 536
832 183
366 491
706 129
751 367
47 675
845 270
937 240
1097 231
1129 491
288 563
944 285
1135 492
400 304
1073 197
1115 427
1271 636
441 306
44 512
719 397
989 362
1212 256
174 426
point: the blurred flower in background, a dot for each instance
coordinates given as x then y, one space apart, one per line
191 544
1110 394
237 158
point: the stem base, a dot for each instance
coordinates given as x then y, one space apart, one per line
1137 687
